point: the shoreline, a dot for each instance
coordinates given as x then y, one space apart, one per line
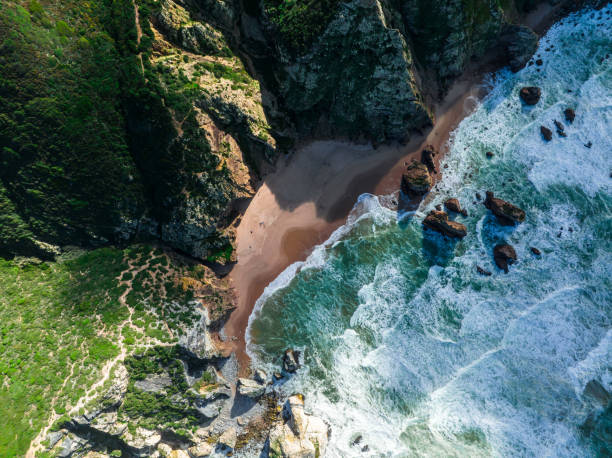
312 192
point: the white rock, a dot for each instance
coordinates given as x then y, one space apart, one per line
201 450
228 438
164 449
250 388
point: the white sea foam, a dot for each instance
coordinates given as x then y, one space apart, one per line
422 356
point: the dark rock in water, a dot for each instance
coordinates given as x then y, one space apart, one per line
482 271
277 375
596 390
357 440
365 448
535 251
504 255
291 360
539 62
427 158
439 207
520 42
489 154
560 127
478 196
416 180
546 133
439 222
453 205
507 213
570 115
588 144
464 212
530 95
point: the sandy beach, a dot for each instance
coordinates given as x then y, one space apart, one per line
310 195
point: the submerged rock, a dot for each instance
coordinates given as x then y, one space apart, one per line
597 391
299 435
506 213
416 180
530 95
291 360
427 158
570 115
482 271
504 254
453 205
439 222
546 133
535 251
250 388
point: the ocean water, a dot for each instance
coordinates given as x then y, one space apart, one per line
407 346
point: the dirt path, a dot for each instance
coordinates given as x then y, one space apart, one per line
107 369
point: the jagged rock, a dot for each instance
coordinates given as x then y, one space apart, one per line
54 437
439 222
569 114
291 360
453 205
209 409
416 180
489 154
530 95
66 448
427 157
250 388
299 435
142 441
535 251
506 213
228 438
520 43
546 133
482 271
504 254
197 341
203 449
154 383
260 376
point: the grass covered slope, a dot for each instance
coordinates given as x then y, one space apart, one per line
64 325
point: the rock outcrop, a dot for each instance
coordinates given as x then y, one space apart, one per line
416 180
569 114
453 205
520 43
439 222
299 435
250 388
504 255
427 158
530 95
506 213
291 360
546 133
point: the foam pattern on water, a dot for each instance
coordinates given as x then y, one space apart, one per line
407 346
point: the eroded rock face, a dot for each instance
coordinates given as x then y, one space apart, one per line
416 180
439 222
299 435
530 95
197 340
520 42
453 205
250 388
291 360
506 213
427 157
504 255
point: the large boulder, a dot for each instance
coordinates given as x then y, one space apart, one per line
439 222
453 205
569 114
504 254
506 213
530 95
427 157
298 435
416 180
546 133
291 360
250 388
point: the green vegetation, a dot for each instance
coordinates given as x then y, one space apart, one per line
300 22
170 408
60 322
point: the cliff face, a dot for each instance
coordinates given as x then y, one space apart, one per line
142 119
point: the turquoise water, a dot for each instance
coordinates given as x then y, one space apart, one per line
406 345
